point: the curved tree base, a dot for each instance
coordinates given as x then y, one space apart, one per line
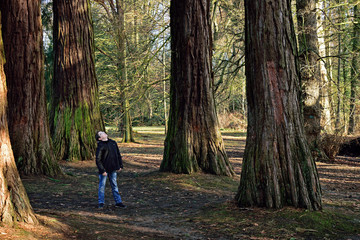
195 155
73 132
275 179
41 164
14 202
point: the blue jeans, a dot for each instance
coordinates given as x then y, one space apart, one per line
114 188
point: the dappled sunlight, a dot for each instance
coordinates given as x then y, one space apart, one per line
228 137
50 228
340 185
150 130
144 161
145 156
163 205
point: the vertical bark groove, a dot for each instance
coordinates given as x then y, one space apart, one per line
14 202
278 168
193 140
28 119
75 114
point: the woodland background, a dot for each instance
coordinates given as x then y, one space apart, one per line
75 67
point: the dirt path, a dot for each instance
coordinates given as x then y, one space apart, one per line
169 206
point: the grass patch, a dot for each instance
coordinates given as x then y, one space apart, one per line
321 223
287 223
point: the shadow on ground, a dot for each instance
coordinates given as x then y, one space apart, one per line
178 206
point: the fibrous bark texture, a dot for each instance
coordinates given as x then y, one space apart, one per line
14 202
193 140
75 115
310 72
24 69
278 168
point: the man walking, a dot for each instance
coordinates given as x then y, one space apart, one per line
109 162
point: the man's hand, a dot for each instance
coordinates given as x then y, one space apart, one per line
104 174
119 170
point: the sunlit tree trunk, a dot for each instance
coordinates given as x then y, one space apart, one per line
24 68
278 168
14 202
338 92
164 79
193 141
120 20
325 83
309 71
355 74
75 109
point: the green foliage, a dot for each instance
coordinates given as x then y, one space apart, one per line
337 21
47 22
228 58
146 44
148 60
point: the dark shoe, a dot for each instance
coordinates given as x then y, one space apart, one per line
120 205
101 205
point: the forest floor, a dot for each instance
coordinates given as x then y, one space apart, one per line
179 206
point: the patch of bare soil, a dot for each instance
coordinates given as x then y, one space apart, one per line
170 206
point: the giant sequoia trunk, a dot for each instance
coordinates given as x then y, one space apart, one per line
14 202
24 68
75 110
278 168
193 140
310 72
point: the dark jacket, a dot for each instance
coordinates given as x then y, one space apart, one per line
108 157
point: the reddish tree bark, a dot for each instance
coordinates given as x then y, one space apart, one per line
75 115
193 140
14 202
278 168
24 68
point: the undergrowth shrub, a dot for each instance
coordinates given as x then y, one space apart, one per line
331 144
235 121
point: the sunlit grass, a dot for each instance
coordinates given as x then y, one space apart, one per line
152 129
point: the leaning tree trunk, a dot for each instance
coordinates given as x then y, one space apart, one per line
278 168
193 140
14 202
24 68
75 114
310 73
